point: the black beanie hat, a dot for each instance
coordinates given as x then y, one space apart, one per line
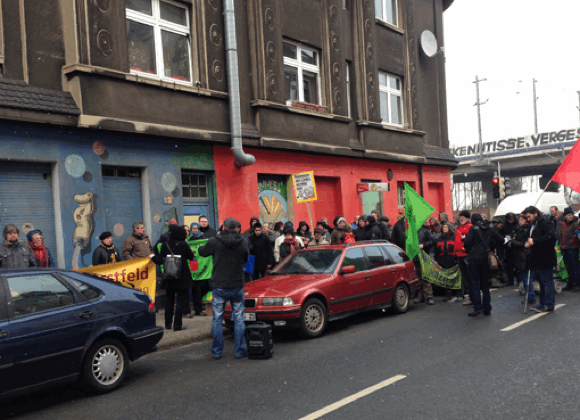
105 235
568 210
465 213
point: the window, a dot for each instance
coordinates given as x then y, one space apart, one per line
357 258
386 10
348 89
391 99
401 195
194 186
159 40
87 291
376 257
397 256
316 261
120 172
38 293
301 73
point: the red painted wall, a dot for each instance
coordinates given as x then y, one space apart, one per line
237 188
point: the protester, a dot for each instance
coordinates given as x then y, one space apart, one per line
569 246
522 258
425 293
399 237
444 220
327 229
165 237
253 221
460 234
290 244
554 218
187 231
269 234
281 239
262 250
373 231
13 252
106 252
196 233
445 256
230 252
375 214
278 229
507 231
386 227
41 252
205 229
341 227
176 290
435 227
200 286
304 232
318 239
478 242
138 245
354 223
359 232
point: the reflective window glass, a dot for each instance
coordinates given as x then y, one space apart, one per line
141 47
173 13
308 56
142 6
357 258
310 87
176 55
290 50
291 80
375 256
38 293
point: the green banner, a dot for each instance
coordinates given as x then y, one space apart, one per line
448 278
560 267
417 210
204 264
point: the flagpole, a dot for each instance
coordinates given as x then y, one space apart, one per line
547 185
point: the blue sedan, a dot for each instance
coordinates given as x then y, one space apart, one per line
58 326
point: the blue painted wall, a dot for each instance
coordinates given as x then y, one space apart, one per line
78 156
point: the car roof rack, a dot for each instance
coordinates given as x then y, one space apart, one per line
380 241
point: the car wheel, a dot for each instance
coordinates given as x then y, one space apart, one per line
313 318
400 302
105 366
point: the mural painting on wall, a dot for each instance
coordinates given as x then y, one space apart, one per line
167 216
273 196
83 217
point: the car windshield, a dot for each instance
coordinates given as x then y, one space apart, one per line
316 261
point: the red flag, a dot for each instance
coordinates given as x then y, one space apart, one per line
568 173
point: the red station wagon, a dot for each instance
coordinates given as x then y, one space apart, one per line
317 285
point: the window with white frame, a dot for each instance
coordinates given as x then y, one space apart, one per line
301 73
158 35
391 99
386 10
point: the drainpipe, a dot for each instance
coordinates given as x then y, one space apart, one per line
421 180
242 159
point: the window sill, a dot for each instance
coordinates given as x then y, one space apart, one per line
304 111
389 127
390 26
114 74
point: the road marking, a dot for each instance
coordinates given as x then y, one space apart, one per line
352 398
530 319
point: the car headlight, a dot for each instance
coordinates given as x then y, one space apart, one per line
277 301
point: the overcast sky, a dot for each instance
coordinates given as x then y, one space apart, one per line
507 41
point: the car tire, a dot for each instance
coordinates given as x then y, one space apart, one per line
105 366
313 318
401 299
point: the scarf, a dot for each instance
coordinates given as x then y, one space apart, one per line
111 256
198 234
40 253
293 244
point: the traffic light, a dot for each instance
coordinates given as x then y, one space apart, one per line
495 182
502 194
509 186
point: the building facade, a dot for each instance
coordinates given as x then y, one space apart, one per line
118 111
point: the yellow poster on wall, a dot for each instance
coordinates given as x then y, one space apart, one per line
138 274
304 187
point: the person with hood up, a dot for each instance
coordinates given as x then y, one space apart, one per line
445 256
41 252
341 227
373 231
478 242
304 232
106 252
507 231
253 221
425 293
195 232
230 252
280 241
386 227
522 258
570 246
15 253
327 229
359 232
177 290
318 239
262 250
206 231
399 236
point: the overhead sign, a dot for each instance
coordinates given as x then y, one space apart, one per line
520 143
304 187
373 186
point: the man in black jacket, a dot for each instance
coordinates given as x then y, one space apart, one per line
384 228
542 241
399 236
426 244
507 231
106 253
230 252
262 250
204 228
372 229
478 242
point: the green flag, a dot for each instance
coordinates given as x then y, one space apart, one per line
448 278
417 210
204 264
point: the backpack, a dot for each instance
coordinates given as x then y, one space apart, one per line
171 265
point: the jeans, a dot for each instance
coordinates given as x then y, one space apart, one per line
547 290
524 280
479 278
572 263
218 304
182 303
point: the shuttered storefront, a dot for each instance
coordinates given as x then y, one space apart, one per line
123 205
26 200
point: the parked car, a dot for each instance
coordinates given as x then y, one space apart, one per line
58 326
314 286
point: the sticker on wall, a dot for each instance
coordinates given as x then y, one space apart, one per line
75 166
157 218
118 229
27 227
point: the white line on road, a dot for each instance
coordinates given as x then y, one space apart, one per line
532 318
352 398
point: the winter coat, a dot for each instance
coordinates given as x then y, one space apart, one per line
474 243
16 255
359 234
207 233
101 255
521 253
272 237
137 247
399 237
179 247
337 233
263 251
50 260
286 249
373 232
554 220
566 236
279 242
425 239
543 252
445 250
250 231
459 248
508 229
230 252
384 231
306 234
313 243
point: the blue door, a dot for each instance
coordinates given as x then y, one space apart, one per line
123 204
6 355
198 197
50 326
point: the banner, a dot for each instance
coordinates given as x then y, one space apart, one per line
201 267
433 273
136 274
417 210
304 187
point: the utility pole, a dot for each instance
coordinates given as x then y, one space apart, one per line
478 105
535 108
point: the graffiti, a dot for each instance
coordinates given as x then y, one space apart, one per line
194 157
83 217
75 166
273 207
167 216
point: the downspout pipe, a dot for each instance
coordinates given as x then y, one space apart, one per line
242 159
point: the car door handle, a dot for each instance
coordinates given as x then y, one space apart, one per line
3 333
368 276
393 270
86 315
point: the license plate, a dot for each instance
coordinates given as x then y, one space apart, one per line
249 317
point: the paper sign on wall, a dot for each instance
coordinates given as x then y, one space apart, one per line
304 187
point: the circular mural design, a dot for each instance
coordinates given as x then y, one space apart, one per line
105 43
168 182
75 166
273 207
98 148
118 229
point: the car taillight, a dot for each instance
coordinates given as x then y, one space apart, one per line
152 307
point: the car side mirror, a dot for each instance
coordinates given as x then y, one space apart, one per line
348 269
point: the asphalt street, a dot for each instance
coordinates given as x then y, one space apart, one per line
434 362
